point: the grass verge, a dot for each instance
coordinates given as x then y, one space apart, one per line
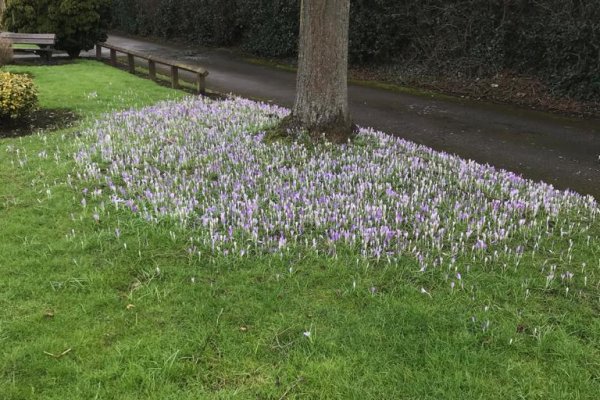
117 307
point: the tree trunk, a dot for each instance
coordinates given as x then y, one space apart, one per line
2 7
322 82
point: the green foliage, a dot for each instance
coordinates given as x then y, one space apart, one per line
78 24
215 22
553 40
17 95
271 27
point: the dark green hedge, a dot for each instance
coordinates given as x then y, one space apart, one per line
557 41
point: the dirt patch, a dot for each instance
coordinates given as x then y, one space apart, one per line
520 90
504 88
41 119
30 59
291 128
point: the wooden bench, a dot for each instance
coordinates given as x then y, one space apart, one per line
44 41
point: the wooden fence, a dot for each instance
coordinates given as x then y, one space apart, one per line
173 66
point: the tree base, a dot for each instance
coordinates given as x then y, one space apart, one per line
290 127
74 53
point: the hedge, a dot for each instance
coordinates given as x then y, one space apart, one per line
557 41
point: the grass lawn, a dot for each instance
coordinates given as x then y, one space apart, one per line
120 279
25 46
90 88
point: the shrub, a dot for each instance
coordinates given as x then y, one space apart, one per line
18 95
6 53
78 24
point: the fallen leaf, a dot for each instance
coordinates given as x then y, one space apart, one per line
64 353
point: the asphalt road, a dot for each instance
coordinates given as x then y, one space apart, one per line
562 151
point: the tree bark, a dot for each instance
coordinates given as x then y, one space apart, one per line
321 105
2 7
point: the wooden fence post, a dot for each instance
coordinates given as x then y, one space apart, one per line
113 57
197 72
201 84
131 63
152 69
174 77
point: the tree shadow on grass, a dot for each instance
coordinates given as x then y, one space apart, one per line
41 119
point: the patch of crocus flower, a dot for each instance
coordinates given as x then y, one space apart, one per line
204 165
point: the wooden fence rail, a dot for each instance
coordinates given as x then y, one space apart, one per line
199 72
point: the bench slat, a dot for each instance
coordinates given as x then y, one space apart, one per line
40 50
44 39
32 41
42 36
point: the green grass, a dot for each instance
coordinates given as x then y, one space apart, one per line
25 46
147 321
91 88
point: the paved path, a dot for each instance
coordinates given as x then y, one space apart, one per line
561 151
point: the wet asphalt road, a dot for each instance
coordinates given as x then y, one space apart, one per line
562 151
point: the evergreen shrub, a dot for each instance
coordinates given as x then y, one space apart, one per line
78 24
18 95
